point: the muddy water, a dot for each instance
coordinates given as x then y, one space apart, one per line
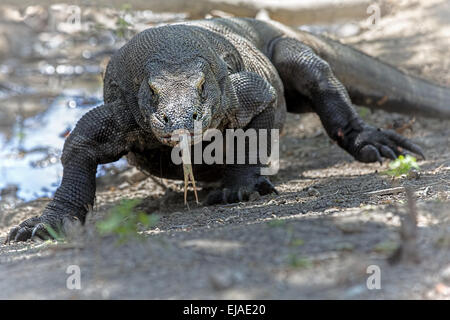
40 102
30 151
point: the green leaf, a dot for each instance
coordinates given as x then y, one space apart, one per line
123 220
52 232
402 165
299 262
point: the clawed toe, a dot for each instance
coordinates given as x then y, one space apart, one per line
40 231
36 227
243 193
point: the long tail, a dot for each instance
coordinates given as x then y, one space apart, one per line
376 84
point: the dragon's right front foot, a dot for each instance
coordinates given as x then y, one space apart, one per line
239 185
46 226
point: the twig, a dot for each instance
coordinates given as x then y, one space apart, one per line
407 251
386 191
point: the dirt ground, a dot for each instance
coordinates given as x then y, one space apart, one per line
313 241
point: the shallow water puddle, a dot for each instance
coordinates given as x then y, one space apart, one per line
30 157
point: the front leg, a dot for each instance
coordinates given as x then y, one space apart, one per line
99 137
305 73
257 108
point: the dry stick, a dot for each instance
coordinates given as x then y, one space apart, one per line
159 183
407 251
386 191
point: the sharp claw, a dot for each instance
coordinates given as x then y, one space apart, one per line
266 187
40 231
419 151
240 195
12 234
22 234
226 195
387 152
405 144
413 148
379 158
33 233
245 193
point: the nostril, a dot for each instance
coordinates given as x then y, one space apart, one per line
195 115
165 119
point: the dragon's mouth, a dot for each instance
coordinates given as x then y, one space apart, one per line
175 138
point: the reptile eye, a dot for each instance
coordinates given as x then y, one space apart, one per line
201 89
153 93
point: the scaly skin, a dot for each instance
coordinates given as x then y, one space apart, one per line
225 73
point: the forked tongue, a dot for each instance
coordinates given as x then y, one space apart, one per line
187 167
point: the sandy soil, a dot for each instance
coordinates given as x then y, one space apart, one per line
315 240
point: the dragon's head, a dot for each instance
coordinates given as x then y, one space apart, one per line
184 95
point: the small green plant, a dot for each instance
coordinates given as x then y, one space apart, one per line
296 242
298 262
363 112
275 223
402 165
123 220
122 25
57 236
387 247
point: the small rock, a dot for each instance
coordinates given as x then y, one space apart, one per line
133 176
221 281
350 225
445 274
313 192
413 174
263 14
428 191
123 185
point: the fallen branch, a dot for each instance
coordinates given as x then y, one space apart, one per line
386 191
407 251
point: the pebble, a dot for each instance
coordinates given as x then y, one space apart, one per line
313 192
123 185
221 281
445 274
413 174
349 226
226 279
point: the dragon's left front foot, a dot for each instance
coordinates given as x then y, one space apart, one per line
239 184
370 144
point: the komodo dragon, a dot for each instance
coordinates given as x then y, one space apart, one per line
228 73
